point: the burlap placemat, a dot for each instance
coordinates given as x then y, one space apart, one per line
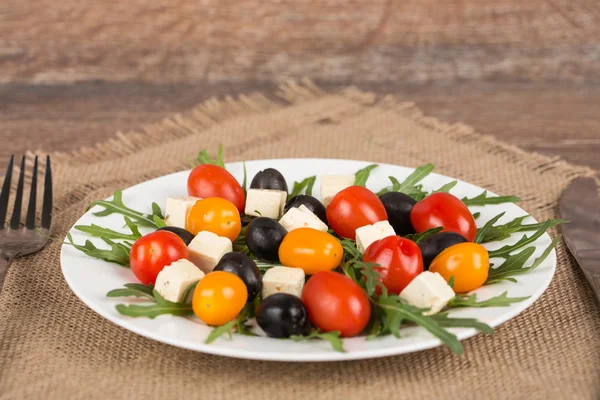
54 347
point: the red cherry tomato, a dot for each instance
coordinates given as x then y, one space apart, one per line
400 261
151 253
444 210
352 208
336 303
213 181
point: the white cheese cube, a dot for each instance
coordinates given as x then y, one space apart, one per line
176 210
207 248
333 184
265 203
301 217
283 280
366 235
428 290
175 278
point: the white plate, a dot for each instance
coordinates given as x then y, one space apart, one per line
91 279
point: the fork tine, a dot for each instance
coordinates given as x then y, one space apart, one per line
4 195
47 203
30 220
16 216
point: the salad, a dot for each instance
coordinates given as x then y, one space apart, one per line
267 260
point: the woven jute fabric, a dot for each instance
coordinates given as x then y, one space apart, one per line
53 347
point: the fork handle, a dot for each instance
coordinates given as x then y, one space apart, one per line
4 263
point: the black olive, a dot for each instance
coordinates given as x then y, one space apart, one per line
310 202
432 246
241 265
398 207
263 237
282 315
269 178
186 236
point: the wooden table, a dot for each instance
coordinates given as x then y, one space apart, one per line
74 72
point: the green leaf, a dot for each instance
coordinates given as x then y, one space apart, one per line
156 211
471 301
218 331
130 292
451 282
332 337
304 186
154 310
205 158
481 233
116 206
504 252
98 231
397 313
118 253
514 265
160 223
417 176
419 237
477 215
371 279
483 199
362 175
446 188
445 321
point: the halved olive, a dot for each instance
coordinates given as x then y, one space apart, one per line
264 236
282 315
269 178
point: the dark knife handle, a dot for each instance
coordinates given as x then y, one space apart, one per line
594 280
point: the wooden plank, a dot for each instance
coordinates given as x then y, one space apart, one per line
551 118
224 40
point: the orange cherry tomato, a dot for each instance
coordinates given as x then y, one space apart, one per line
468 263
311 250
215 215
219 297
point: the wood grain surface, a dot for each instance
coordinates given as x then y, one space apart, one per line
73 73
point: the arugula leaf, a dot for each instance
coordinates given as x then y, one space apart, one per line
487 227
398 312
218 331
501 232
477 215
205 158
98 231
419 237
451 282
504 252
332 337
483 199
118 253
446 188
304 186
417 176
156 211
471 301
160 223
116 206
444 320
133 290
362 175
514 265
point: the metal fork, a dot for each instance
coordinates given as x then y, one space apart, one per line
16 241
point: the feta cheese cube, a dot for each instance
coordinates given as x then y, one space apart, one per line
283 280
366 235
428 290
301 217
265 203
176 210
175 278
333 184
207 248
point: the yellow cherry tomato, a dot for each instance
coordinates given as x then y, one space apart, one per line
468 263
311 250
219 297
215 215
